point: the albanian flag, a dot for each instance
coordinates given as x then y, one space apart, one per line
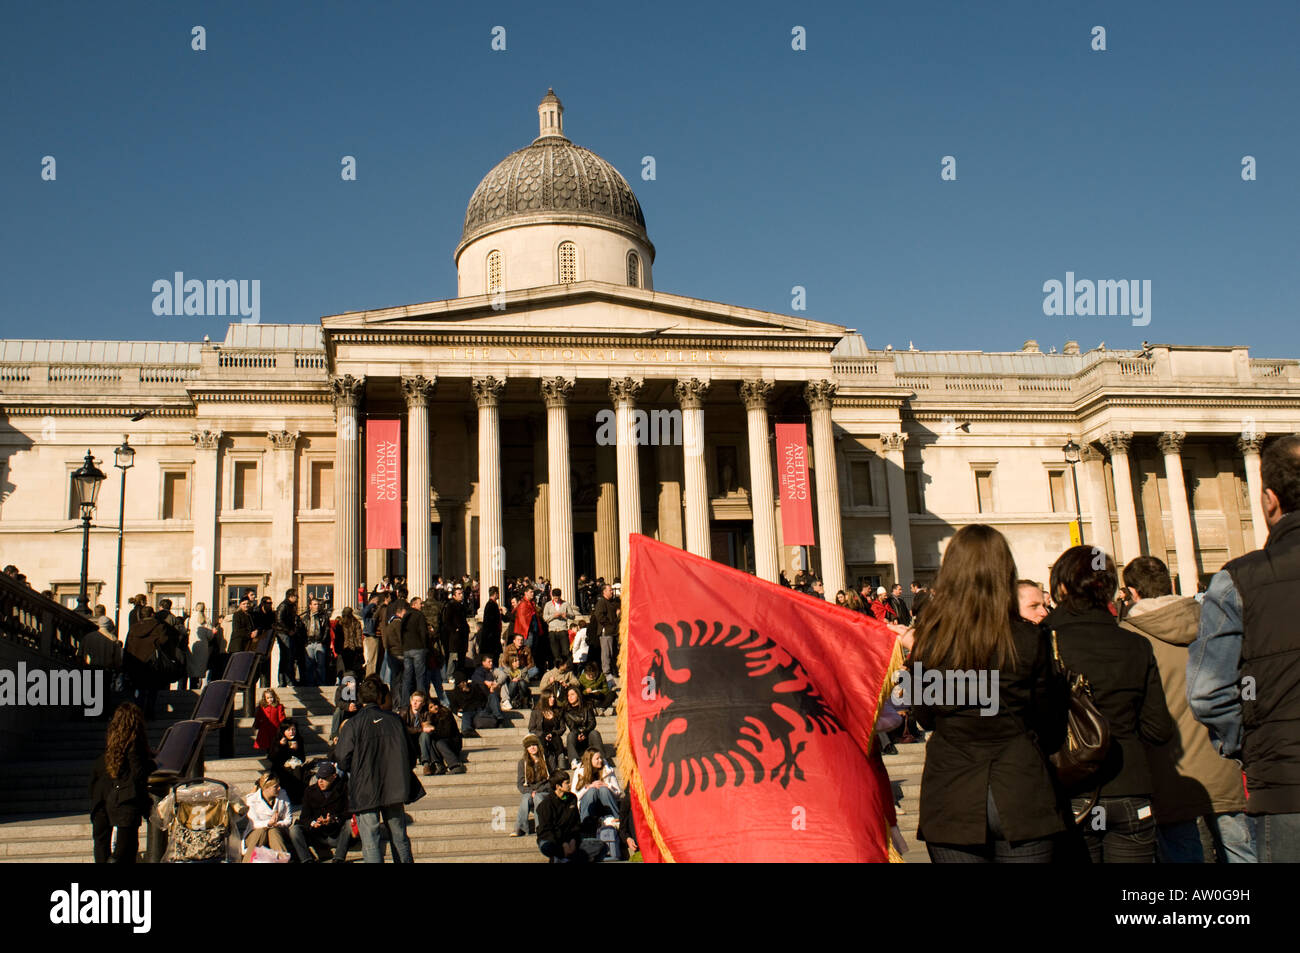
746 718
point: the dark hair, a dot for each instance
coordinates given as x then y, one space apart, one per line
1021 583
1084 578
289 592
494 591
555 593
558 778
1149 576
371 691
1280 471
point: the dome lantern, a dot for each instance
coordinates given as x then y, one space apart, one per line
550 116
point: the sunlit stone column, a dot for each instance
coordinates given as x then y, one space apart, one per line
690 394
419 515
491 555
203 562
624 392
900 524
1117 443
607 545
1249 445
1171 445
820 395
347 497
1098 509
755 394
282 484
556 392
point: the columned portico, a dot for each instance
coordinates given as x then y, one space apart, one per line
690 394
419 549
1171 445
1249 445
556 392
1117 443
900 527
820 395
623 393
755 394
491 555
346 391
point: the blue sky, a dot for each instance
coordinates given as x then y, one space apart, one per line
775 168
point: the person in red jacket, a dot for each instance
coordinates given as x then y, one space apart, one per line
267 720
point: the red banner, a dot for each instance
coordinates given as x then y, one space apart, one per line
384 484
796 490
746 721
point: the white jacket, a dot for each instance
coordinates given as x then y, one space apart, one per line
261 814
607 774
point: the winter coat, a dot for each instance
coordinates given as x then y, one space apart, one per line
374 753
543 783
455 627
604 619
557 819
266 719
200 651
415 631
352 632
580 718
125 799
241 631
1188 777
489 632
971 753
1121 668
317 803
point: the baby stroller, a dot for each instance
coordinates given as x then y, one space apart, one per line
202 821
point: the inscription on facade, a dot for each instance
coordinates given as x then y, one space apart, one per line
591 355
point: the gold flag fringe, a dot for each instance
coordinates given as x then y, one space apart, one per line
895 663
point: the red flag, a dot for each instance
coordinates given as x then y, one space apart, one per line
384 484
796 496
747 715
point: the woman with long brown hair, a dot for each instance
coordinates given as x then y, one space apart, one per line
547 722
119 793
987 792
533 782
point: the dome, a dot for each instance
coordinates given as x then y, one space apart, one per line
553 180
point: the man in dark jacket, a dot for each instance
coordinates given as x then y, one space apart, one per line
415 650
899 605
604 620
241 627
1243 682
316 645
455 628
373 752
324 822
489 632
287 635
559 831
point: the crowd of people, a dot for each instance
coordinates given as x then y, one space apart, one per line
1197 695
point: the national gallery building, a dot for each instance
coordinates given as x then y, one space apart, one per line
559 403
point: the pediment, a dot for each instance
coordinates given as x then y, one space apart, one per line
584 309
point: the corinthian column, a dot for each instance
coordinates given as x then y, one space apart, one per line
1098 508
203 565
690 394
419 515
1117 443
491 555
1249 444
900 525
762 503
282 483
556 392
347 498
624 392
1171 445
820 395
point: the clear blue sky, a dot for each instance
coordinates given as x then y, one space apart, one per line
775 168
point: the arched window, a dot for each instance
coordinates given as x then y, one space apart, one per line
568 263
633 269
493 272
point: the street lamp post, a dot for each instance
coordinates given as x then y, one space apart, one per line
1073 454
85 484
124 459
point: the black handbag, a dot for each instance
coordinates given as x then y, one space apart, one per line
1087 736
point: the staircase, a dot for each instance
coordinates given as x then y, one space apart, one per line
464 818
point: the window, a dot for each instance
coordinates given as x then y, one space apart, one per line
860 483
244 495
178 593
493 272
915 502
633 269
236 587
1056 488
322 591
176 495
984 491
568 263
320 492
